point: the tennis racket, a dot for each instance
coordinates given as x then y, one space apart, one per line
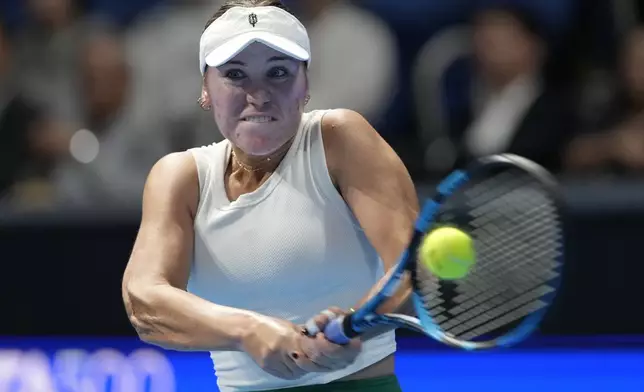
510 207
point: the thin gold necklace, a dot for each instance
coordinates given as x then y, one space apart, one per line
244 166
252 169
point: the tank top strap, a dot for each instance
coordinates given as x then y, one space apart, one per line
210 161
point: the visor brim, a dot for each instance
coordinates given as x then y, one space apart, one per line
233 47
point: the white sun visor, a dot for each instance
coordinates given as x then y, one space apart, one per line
240 26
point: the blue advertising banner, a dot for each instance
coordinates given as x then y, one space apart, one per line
126 365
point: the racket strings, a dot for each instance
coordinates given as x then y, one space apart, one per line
514 244
515 226
513 252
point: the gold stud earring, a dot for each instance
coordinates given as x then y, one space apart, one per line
202 102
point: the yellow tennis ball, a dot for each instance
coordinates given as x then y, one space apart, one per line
448 253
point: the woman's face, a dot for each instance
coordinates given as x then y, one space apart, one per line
257 98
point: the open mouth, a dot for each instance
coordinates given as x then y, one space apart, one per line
259 119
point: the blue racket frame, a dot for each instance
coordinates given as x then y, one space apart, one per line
342 329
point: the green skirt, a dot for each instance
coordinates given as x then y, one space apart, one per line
377 384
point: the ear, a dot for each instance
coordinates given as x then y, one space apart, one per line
307 95
306 79
204 99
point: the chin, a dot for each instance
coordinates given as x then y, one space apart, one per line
262 140
258 145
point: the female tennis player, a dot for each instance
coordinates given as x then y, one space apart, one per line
242 241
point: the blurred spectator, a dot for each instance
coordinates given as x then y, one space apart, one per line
509 106
616 142
115 146
515 109
16 121
47 50
25 154
354 59
167 76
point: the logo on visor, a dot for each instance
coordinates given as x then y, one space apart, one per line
252 19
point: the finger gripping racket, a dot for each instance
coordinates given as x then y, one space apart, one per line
510 207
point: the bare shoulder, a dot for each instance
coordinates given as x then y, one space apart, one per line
341 125
173 180
349 139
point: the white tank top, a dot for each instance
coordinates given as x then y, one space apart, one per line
289 250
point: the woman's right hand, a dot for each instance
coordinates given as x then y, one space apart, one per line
277 347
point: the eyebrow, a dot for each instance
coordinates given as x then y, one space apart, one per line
274 58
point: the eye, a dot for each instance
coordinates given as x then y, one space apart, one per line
235 74
278 73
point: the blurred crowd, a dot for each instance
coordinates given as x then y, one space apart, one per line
92 93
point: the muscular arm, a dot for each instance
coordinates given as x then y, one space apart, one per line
154 283
377 187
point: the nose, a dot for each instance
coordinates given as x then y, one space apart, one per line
258 97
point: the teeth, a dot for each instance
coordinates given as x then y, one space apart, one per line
258 119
